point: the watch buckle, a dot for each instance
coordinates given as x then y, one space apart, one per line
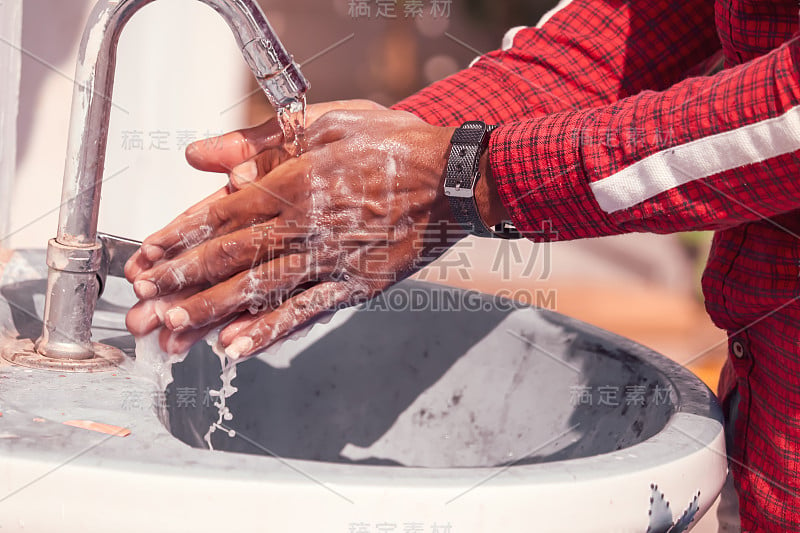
459 192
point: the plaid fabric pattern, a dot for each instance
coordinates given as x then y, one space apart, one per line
597 103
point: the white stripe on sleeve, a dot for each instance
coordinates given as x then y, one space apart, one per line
699 159
508 39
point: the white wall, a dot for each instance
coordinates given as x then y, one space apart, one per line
10 31
178 68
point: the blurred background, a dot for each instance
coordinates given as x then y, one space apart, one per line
181 78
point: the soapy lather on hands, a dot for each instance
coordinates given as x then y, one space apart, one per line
291 238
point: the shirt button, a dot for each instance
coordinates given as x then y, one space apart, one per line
738 349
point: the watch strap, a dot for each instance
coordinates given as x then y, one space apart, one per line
465 211
463 171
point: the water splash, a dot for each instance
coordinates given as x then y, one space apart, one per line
155 365
224 413
227 375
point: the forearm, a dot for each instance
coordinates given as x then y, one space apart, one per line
707 153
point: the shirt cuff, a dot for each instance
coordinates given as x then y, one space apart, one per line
537 167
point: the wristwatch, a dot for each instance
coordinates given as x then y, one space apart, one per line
463 172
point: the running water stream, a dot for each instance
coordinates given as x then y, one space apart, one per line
292 119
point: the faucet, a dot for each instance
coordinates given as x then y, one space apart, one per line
77 258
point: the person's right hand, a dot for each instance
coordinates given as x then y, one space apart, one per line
243 155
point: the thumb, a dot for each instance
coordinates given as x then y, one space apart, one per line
223 153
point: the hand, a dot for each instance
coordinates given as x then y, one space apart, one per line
243 155
334 226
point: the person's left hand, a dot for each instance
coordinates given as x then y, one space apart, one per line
334 226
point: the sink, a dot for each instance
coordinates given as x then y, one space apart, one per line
429 407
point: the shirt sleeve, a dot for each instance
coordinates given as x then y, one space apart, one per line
708 153
584 53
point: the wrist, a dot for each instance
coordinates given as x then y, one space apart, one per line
490 205
470 186
443 147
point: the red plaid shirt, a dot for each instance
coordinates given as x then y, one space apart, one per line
605 131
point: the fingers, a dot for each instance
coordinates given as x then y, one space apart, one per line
208 200
142 319
256 168
263 287
232 330
146 316
137 264
253 205
218 259
247 155
182 341
221 154
228 153
148 254
238 213
185 232
295 312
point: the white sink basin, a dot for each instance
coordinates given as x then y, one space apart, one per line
432 406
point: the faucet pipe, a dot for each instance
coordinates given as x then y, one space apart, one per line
75 256
277 74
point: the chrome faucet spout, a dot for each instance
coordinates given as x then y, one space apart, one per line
75 256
